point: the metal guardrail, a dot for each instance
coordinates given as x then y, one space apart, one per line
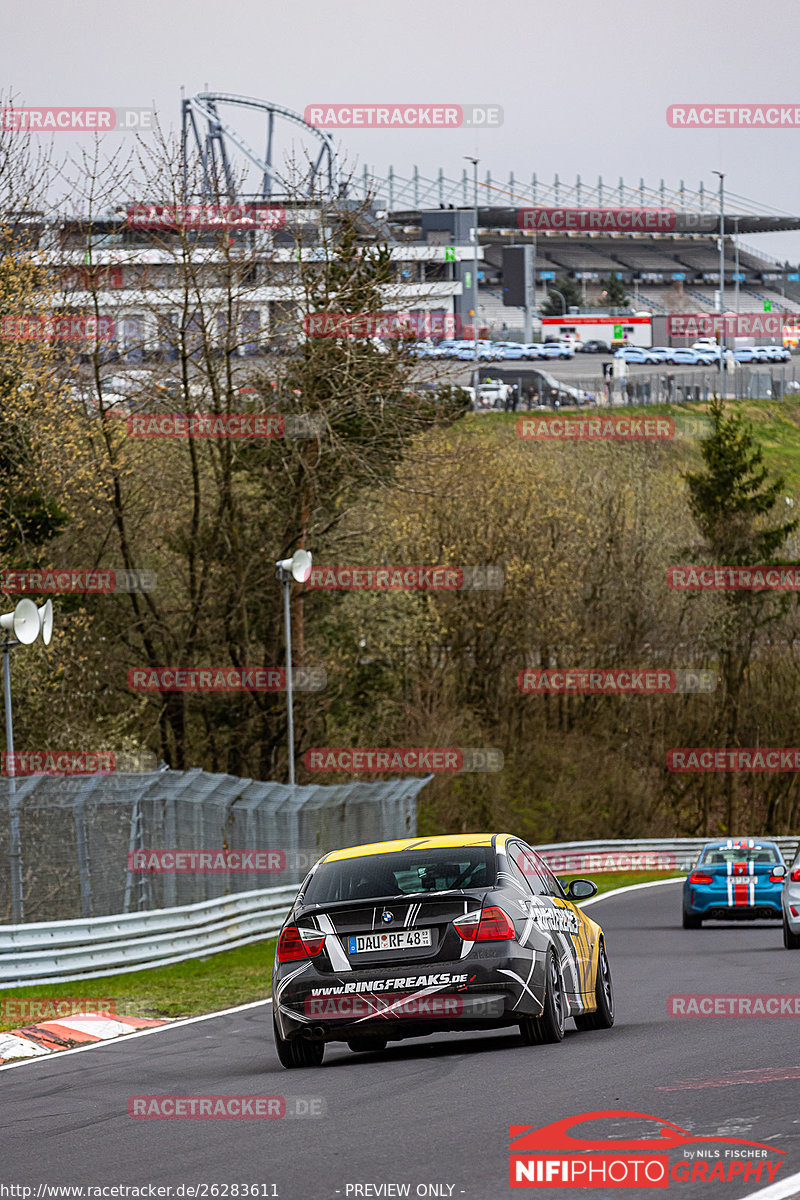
57 951
638 854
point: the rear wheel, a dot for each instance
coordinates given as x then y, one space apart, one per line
790 940
603 1016
300 1052
690 921
364 1045
549 1027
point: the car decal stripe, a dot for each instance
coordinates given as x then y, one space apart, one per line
335 949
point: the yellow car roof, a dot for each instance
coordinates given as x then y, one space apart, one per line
448 842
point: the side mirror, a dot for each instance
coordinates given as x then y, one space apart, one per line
581 889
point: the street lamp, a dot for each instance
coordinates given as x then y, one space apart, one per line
563 301
721 267
475 162
26 623
297 567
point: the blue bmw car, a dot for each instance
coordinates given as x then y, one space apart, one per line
734 880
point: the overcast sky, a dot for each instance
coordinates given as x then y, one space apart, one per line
584 85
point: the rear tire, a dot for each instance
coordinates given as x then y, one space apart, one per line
690 921
299 1052
549 1027
366 1045
790 940
603 1016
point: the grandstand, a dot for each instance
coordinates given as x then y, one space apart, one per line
663 272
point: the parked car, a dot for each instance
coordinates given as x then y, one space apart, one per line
510 350
684 356
662 353
534 349
775 353
554 392
747 354
708 349
636 354
557 350
595 346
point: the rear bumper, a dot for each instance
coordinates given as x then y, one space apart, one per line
792 920
715 904
441 997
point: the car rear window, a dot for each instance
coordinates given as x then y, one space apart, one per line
716 855
404 873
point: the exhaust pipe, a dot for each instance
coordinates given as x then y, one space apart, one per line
314 1033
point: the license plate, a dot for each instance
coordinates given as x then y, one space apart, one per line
401 939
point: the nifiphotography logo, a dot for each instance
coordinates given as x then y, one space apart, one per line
552 1156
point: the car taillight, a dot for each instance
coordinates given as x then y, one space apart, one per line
490 925
297 943
700 877
795 875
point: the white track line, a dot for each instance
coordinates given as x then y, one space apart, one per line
224 1012
128 1037
785 1190
632 887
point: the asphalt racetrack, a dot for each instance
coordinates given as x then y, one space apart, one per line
435 1112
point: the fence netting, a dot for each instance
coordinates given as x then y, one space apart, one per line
72 841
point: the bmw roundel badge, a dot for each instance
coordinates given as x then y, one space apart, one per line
386 917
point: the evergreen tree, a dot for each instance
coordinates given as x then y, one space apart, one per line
613 294
733 504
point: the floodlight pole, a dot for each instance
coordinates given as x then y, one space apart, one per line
14 840
475 162
286 579
721 269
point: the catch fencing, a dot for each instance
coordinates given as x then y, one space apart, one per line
664 386
71 839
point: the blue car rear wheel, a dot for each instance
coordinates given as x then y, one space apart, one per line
690 921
